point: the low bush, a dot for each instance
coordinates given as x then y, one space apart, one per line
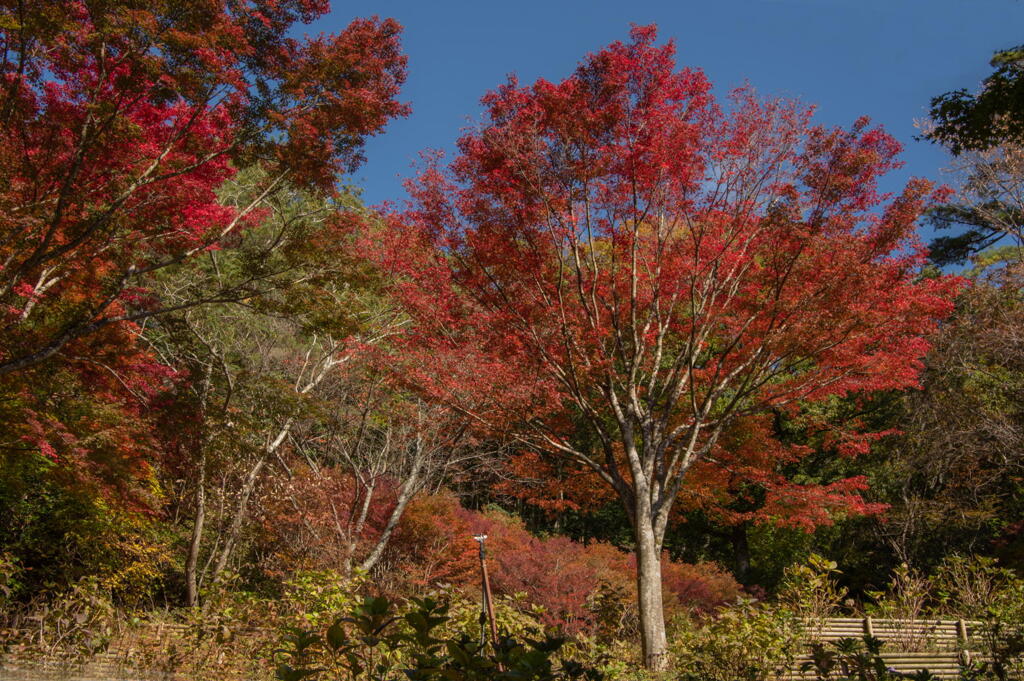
376 641
748 641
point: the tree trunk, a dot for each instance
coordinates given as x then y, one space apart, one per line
409 489
191 579
249 484
196 542
648 581
356 528
237 519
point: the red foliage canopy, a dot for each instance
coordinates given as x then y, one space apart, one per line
119 122
617 252
742 479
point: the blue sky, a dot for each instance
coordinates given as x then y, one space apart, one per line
884 59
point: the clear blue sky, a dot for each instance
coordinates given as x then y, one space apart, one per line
881 58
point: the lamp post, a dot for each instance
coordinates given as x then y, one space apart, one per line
488 601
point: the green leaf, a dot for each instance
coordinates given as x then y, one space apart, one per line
336 636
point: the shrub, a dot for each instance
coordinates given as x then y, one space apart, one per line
994 595
810 590
58 534
312 596
554 573
433 544
377 642
904 600
746 642
701 586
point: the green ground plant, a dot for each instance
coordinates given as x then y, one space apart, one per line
748 641
378 641
995 596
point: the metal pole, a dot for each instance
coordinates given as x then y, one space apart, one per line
488 601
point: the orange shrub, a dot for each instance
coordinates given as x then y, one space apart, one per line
434 544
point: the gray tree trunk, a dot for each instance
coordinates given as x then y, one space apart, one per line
649 592
191 578
408 491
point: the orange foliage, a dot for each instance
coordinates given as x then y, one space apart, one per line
434 544
749 456
554 483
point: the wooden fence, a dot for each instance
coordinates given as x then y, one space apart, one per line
938 645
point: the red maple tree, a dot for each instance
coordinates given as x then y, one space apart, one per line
617 268
119 123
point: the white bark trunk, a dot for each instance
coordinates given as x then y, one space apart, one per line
649 594
409 489
191 578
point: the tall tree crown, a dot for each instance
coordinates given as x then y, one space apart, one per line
664 263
